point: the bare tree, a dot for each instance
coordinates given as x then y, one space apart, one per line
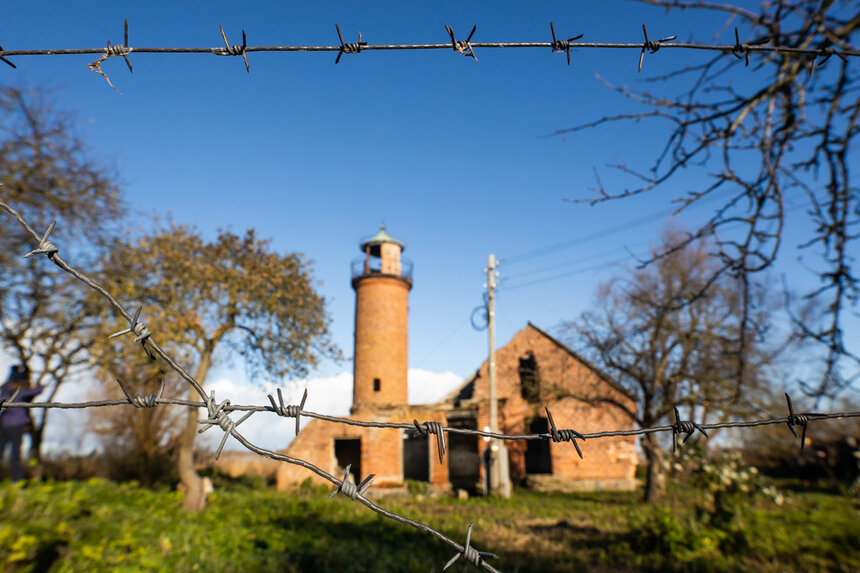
670 341
47 170
204 300
770 131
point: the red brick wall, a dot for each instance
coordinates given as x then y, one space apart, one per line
381 448
562 376
381 320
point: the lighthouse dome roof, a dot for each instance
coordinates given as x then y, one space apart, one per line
381 237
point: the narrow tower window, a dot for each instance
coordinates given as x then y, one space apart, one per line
376 384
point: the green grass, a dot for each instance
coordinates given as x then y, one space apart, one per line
103 526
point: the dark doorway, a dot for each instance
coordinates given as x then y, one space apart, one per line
463 459
416 457
348 452
538 458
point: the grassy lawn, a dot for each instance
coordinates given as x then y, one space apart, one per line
103 526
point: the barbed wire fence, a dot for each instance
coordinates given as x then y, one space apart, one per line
218 414
817 55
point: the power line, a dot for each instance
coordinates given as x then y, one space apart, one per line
441 343
564 264
562 275
549 249
637 222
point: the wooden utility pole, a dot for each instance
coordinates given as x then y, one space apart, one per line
500 483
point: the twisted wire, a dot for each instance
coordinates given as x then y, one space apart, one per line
289 411
139 330
45 247
686 427
349 489
469 553
464 47
557 435
433 428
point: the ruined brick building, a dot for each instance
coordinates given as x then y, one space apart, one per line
534 370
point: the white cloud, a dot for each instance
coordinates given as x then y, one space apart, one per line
426 387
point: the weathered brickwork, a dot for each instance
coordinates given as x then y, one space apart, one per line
381 323
381 448
566 381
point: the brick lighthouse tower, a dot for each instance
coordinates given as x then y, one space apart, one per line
382 279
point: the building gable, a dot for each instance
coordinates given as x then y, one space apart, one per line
547 368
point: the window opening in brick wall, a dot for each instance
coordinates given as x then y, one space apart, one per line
377 384
538 458
348 452
416 457
529 378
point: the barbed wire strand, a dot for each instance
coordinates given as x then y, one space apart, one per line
466 47
219 413
811 417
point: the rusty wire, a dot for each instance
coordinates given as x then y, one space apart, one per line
464 47
218 414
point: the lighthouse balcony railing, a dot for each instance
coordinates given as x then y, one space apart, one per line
370 265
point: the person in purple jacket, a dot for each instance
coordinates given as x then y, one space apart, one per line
14 421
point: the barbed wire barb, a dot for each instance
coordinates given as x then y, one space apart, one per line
469 553
433 428
796 420
741 51
289 411
347 47
559 46
140 331
557 435
652 47
110 51
348 488
5 61
142 400
218 416
463 46
687 427
45 247
235 49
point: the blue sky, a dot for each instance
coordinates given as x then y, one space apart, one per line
449 153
